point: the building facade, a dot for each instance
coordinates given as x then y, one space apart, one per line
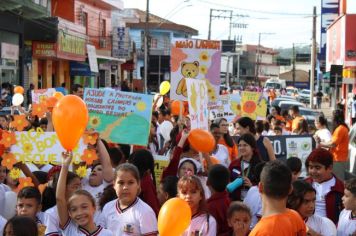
161 33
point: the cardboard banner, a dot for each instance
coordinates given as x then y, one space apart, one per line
196 59
119 117
228 107
40 95
161 162
42 148
198 104
254 105
286 146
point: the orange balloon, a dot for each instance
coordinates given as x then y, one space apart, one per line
201 140
70 118
58 95
174 217
214 161
19 89
175 108
50 103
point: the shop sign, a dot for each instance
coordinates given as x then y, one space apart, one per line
43 49
71 47
79 69
9 51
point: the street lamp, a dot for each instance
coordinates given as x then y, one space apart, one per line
258 56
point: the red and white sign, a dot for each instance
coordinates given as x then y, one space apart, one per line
43 49
341 42
9 51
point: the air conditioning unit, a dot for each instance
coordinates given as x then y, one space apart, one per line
102 43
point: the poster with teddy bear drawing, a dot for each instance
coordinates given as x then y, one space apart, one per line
195 59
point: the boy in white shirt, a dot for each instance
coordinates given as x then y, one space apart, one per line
347 219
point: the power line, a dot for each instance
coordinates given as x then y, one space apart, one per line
252 10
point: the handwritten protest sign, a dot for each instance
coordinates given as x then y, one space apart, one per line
161 162
198 103
196 59
42 148
119 117
39 96
228 107
254 105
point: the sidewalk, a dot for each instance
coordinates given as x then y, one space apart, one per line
327 110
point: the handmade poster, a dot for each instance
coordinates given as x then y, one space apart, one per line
161 162
119 117
40 95
254 105
196 59
40 147
300 147
228 107
198 103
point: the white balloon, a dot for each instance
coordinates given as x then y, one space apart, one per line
160 99
165 129
17 99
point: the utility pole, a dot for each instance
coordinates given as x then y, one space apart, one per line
313 60
230 25
293 72
220 16
210 18
146 46
257 59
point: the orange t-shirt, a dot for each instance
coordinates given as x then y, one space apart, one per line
341 140
289 125
281 118
232 150
288 223
295 122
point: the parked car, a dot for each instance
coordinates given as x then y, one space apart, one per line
7 111
291 91
352 150
309 115
280 99
304 96
285 105
288 97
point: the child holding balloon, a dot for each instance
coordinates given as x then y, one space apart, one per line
76 216
128 215
190 189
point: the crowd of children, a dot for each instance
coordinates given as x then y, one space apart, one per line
239 188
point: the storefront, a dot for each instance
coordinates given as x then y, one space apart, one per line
51 61
11 35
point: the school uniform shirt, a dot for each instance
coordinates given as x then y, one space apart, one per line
2 224
321 190
95 191
254 202
222 154
72 229
202 225
217 206
136 219
347 224
321 225
52 222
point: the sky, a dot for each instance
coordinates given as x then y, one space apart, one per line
280 22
